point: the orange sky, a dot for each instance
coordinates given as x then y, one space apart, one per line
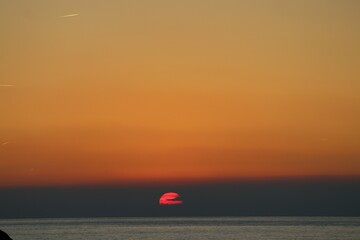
139 91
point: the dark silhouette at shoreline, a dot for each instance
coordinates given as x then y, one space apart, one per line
4 236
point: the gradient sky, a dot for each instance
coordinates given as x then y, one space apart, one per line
122 92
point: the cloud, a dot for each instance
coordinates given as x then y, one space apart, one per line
6 85
69 15
3 145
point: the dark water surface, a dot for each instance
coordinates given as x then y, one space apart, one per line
247 228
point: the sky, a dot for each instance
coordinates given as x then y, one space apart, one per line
145 92
245 198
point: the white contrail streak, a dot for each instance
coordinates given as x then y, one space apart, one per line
70 15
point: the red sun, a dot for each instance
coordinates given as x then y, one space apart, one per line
170 198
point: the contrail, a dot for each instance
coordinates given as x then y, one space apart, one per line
70 15
4 143
6 85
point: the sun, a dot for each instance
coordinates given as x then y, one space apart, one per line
170 198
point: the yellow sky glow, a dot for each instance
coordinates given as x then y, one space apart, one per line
137 91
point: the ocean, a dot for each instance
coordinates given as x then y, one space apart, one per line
189 228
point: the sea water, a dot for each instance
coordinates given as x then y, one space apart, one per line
227 228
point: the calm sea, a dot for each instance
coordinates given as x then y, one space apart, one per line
227 228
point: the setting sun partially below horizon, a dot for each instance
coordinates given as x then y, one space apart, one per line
170 198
